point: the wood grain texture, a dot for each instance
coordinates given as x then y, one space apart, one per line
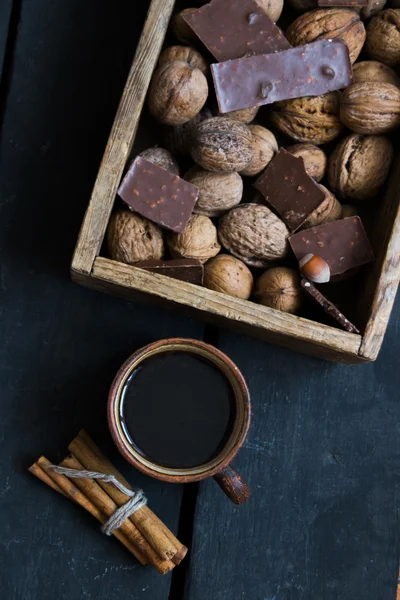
122 136
260 321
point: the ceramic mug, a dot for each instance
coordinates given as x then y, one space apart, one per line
220 466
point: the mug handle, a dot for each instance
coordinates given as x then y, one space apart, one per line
233 485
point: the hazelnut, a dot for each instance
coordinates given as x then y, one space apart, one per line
314 159
329 23
131 238
360 165
222 145
348 210
228 275
264 147
372 70
161 157
181 29
219 192
329 210
198 240
314 268
184 54
254 234
309 119
179 139
370 107
383 37
273 8
279 288
177 93
244 115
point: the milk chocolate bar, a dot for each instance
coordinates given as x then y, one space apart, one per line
343 244
184 269
236 28
328 306
288 188
158 195
310 70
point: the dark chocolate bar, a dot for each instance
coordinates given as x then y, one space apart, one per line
341 3
288 188
184 269
343 244
236 28
310 70
158 195
327 305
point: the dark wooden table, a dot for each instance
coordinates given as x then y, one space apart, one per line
323 454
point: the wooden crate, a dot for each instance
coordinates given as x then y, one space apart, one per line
94 271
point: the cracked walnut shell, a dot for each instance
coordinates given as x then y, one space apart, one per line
177 93
131 238
198 240
309 119
383 37
329 23
254 234
360 165
219 192
370 107
228 275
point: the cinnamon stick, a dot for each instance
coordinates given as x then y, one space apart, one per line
42 469
92 490
159 536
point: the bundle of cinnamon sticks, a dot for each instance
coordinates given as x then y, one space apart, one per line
143 534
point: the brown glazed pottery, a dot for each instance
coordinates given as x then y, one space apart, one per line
220 466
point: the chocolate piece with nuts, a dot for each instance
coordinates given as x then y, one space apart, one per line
310 70
288 188
184 269
328 306
343 244
236 30
158 195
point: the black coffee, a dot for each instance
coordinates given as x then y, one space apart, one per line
177 409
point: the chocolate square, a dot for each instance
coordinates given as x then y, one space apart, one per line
311 70
158 195
288 188
343 244
236 28
184 269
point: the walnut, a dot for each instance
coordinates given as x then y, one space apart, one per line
383 37
228 275
314 159
370 107
219 192
252 233
161 157
198 240
264 147
273 8
309 119
372 70
222 145
185 54
244 115
279 288
177 93
131 238
360 165
181 29
329 210
179 139
329 23
373 7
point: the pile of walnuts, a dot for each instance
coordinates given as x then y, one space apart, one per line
241 242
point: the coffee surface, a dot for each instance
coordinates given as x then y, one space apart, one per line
177 409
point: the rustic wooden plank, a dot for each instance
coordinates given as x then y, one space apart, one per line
122 135
296 332
322 463
61 344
